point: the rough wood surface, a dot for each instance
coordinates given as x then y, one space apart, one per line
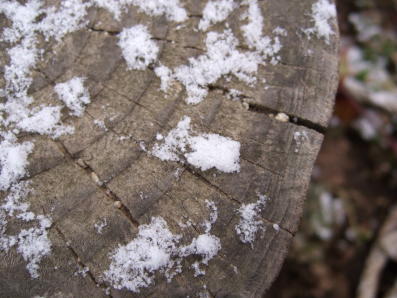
64 172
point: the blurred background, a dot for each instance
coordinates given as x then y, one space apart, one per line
347 242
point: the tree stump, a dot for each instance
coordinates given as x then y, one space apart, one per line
103 183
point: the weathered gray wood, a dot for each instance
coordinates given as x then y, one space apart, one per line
63 172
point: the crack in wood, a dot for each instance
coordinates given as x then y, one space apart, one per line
78 260
262 167
100 185
109 32
206 181
257 108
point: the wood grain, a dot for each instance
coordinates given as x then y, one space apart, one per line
63 172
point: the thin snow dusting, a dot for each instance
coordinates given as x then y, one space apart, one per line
155 249
213 215
253 34
215 12
137 47
18 114
74 95
204 151
113 6
133 265
13 160
45 120
172 9
250 221
101 124
223 57
323 12
32 243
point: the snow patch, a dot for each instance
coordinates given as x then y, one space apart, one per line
222 58
32 243
323 12
137 47
74 95
13 160
165 75
133 265
250 221
204 151
172 9
157 249
215 12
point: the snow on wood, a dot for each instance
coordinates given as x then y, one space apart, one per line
250 221
137 47
74 95
204 151
13 160
323 12
215 12
32 243
133 265
172 9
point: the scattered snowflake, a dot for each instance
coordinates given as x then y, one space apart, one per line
280 31
215 12
101 124
74 95
235 269
185 225
82 271
213 215
276 227
250 221
138 49
206 151
300 137
165 75
234 94
323 12
100 225
197 270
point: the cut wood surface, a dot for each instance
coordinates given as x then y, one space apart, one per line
105 169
